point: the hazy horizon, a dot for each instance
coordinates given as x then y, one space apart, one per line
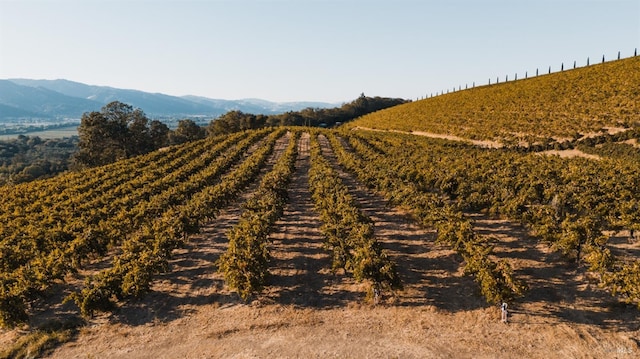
287 51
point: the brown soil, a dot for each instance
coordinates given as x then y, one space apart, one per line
484 144
310 312
569 154
494 144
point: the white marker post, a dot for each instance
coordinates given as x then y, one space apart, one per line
503 308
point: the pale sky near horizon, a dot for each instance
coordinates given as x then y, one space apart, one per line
306 50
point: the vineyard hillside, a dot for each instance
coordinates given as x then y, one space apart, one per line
309 242
564 105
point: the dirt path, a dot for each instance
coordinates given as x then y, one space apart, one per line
308 312
301 274
484 144
487 144
570 154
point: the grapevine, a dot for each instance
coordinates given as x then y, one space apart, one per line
349 233
245 264
148 250
495 278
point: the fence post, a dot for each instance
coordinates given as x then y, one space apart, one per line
635 52
526 74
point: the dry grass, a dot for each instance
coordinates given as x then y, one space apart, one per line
569 154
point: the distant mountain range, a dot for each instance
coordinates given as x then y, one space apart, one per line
24 99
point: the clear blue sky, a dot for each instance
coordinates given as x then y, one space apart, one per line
290 50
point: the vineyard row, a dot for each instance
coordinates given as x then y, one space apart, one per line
245 265
567 203
495 278
40 248
348 232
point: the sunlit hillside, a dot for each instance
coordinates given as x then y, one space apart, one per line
563 105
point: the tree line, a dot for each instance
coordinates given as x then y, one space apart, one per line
119 131
26 158
116 132
234 121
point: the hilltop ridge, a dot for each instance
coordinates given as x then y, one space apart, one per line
22 99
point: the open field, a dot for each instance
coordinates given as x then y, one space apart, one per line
57 133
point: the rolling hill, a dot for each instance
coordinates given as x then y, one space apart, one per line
54 99
562 105
26 102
